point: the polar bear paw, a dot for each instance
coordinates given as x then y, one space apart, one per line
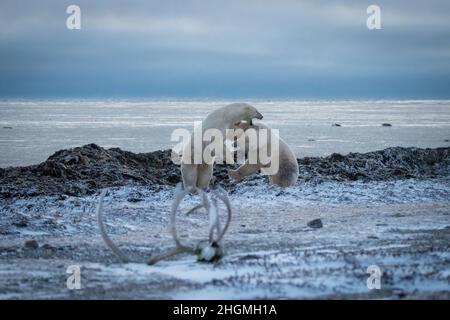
234 174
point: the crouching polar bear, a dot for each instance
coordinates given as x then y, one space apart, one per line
287 171
195 171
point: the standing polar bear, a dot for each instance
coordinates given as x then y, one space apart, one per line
287 173
198 175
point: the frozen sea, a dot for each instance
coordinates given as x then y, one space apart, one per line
31 130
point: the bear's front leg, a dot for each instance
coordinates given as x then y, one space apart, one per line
245 170
234 174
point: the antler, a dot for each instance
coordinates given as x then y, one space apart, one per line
214 220
222 195
105 236
180 193
210 252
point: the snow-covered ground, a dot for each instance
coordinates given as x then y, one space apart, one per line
401 226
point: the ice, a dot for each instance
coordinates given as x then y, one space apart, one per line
41 127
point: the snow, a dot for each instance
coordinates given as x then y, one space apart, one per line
401 226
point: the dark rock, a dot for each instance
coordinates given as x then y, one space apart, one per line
87 169
336 125
4 230
389 164
31 244
249 257
22 222
399 292
315 224
336 157
386 125
47 247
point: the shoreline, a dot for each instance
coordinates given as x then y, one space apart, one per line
87 169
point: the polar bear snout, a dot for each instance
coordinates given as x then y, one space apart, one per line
258 116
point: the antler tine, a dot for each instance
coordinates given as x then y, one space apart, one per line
194 208
222 195
179 195
205 200
213 219
213 210
220 190
164 256
218 228
103 233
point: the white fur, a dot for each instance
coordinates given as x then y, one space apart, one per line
288 171
199 175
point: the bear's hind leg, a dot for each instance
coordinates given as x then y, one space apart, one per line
204 176
189 174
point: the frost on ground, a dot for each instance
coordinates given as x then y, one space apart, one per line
402 226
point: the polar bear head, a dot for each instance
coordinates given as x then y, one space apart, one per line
237 112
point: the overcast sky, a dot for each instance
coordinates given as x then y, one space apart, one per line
238 48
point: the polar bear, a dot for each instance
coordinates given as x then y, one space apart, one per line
227 117
288 171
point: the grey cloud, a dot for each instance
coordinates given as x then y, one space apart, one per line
271 46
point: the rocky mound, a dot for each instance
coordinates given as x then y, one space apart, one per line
86 169
388 164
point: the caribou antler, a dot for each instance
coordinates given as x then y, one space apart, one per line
105 236
179 194
222 195
210 251
205 252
